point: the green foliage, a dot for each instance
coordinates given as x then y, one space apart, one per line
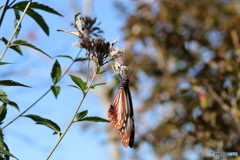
81 59
3 63
56 90
7 153
98 71
20 6
79 82
45 122
3 113
56 72
65 56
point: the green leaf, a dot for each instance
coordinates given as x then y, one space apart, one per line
45 122
65 56
6 153
79 82
12 83
4 99
55 90
94 119
3 112
81 115
36 6
81 59
56 72
1 7
3 63
15 48
25 43
98 84
13 104
74 86
38 18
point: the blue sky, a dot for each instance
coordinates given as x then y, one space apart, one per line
28 141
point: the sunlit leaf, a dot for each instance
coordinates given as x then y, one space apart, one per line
56 90
45 122
79 82
56 72
81 115
4 99
94 119
98 84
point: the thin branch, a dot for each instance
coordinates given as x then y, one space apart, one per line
211 91
14 32
4 11
42 95
73 117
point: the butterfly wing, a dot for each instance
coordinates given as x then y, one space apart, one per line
127 131
78 22
116 113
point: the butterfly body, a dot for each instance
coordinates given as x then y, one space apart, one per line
121 114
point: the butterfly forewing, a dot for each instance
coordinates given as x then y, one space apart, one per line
78 22
117 110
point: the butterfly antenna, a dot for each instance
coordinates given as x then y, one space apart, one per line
132 70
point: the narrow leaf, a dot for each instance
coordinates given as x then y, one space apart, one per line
81 59
81 115
65 56
79 82
94 119
36 6
98 71
38 18
98 84
56 90
56 72
6 153
45 122
15 48
13 104
3 63
1 7
11 83
74 86
25 43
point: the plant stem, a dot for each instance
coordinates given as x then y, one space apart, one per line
4 11
42 95
73 117
14 32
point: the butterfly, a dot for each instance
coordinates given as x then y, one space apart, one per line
121 113
79 26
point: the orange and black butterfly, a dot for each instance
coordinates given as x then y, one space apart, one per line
121 112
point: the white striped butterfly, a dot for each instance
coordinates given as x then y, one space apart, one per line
121 112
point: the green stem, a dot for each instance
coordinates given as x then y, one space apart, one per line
73 117
14 32
42 95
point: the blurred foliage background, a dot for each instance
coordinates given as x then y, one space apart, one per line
186 76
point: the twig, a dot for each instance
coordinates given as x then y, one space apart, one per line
14 32
73 117
4 11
